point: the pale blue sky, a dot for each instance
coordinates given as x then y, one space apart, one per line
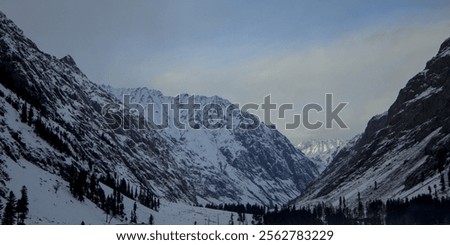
362 51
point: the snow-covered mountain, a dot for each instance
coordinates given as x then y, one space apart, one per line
404 151
216 158
321 152
53 117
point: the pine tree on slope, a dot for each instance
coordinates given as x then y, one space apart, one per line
9 214
22 207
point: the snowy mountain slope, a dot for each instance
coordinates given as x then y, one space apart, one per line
321 152
52 117
207 155
51 206
402 152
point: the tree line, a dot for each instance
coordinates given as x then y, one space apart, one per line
238 208
425 209
144 197
256 210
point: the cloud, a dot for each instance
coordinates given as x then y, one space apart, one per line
366 68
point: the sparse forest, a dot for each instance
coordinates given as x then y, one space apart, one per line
81 186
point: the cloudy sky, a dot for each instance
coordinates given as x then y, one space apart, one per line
361 51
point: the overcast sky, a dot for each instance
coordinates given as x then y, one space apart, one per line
361 51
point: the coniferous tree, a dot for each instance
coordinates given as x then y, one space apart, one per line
123 186
24 113
113 203
107 208
80 185
375 212
117 204
448 177
93 193
129 191
360 210
231 222
241 218
121 209
1 208
133 217
151 220
360 207
435 191
9 214
101 198
441 158
442 183
22 206
72 176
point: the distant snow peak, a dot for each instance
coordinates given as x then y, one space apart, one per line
321 152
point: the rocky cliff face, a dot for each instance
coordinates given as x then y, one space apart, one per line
402 152
52 116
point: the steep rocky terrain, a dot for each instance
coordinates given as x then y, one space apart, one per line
404 151
218 157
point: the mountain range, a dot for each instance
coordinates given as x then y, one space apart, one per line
66 138
54 118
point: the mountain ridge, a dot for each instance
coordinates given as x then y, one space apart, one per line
227 143
402 152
